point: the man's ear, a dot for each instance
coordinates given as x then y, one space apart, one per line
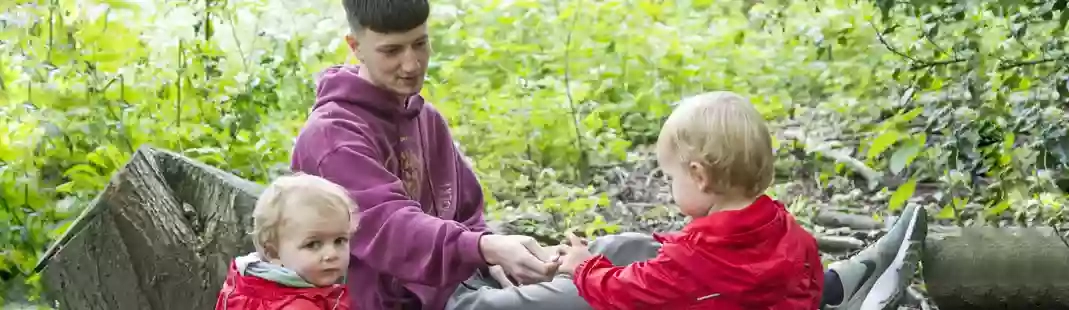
354 45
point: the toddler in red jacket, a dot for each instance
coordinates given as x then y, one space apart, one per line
742 250
301 229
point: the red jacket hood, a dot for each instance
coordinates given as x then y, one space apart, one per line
246 292
749 250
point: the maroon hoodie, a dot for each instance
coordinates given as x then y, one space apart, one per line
420 205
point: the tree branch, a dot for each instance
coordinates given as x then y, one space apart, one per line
879 35
925 65
1031 62
918 64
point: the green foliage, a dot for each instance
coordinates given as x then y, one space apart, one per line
992 80
85 83
960 104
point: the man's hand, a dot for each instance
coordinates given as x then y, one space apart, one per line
519 256
500 276
573 255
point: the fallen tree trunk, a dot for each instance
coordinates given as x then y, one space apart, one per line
159 236
981 268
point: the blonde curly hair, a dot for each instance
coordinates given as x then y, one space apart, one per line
302 192
724 133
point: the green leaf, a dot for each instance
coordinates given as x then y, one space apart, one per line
60 229
120 4
997 209
66 188
947 213
904 155
909 116
882 143
903 194
82 169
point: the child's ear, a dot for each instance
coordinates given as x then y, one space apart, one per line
701 176
269 252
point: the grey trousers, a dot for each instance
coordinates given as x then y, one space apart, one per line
482 292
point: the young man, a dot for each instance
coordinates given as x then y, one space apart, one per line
420 230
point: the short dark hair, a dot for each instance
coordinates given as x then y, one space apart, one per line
386 16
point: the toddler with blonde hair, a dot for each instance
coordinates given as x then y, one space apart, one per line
742 250
301 229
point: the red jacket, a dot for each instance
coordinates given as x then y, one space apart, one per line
246 292
750 259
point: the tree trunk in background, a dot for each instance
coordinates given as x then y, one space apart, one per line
981 268
160 236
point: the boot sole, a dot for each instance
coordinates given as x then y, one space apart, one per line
887 290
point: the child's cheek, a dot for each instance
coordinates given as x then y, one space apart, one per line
693 209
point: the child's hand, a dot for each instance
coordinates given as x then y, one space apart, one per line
573 255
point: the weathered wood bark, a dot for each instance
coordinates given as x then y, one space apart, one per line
997 268
160 236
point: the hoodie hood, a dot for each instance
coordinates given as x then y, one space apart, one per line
254 265
252 283
343 85
757 246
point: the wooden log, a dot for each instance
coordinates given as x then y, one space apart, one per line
159 236
838 244
981 268
839 219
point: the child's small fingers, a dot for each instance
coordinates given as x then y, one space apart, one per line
553 267
575 240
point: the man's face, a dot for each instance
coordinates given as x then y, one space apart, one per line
394 61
